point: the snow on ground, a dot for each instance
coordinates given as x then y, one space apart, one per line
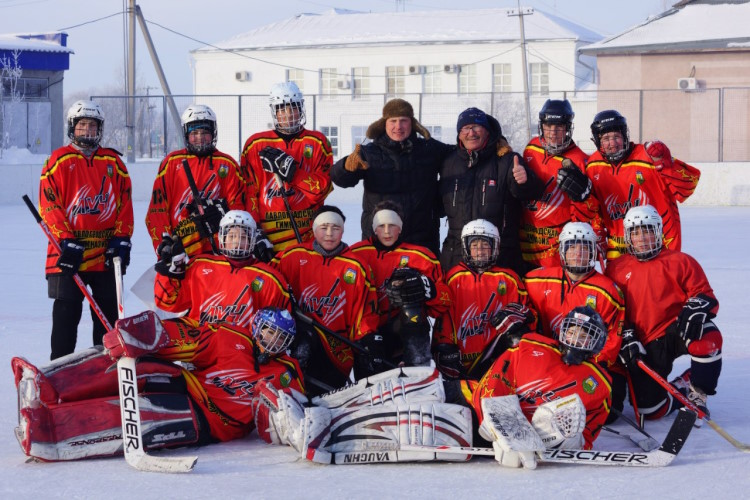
708 466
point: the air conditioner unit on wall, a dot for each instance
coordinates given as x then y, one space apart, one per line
417 70
342 84
687 84
451 68
242 76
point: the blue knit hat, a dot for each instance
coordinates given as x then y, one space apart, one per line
472 116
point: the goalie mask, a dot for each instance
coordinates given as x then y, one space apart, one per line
78 111
581 335
237 232
485 238
577 247
643 232
287 107
555 112
273 332
199 117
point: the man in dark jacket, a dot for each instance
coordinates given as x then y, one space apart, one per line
484 179
398 166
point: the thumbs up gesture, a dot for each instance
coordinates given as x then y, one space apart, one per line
519 173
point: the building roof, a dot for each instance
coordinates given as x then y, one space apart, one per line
35 42
346 28
688 25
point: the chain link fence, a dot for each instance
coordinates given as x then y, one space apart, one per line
711 125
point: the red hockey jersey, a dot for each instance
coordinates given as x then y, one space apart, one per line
553 295
535 372
306 192
85 198
216 176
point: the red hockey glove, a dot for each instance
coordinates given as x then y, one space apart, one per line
659 153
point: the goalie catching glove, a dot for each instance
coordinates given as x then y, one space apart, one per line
278 163
407 286
573 182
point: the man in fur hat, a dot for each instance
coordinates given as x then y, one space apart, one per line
399 166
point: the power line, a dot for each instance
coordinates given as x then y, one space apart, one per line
91 22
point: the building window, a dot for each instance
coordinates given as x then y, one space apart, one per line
328 78
394 80
297 76
359 134
360 82
501 77
467 79
332 133
433 79
436 131
27 88
539 78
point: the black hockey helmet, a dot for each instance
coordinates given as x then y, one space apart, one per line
610 120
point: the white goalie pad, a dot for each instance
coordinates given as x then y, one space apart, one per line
560 423
513 438
279 416
406 385
375 434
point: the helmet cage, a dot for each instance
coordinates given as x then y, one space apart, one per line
581 335
78 111
199 116
611 121
273 330
287 96
645 220
237 234
555 112
578 233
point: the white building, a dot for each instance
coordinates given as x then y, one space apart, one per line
441 61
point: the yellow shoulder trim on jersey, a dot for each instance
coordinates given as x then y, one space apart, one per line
51 169
457 274
547 279
536 148
422 254
639 164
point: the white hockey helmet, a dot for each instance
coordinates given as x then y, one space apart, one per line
237 233
578 233
199 116
648 220
480 229
85 109
582 334
283 95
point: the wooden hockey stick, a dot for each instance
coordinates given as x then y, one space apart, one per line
130 412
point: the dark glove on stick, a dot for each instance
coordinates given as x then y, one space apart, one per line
119 246
631 349
213 211
573 182
71 256
694 313
263 249
172 257
278 162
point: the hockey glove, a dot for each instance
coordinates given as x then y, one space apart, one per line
448 361
213 211
355 161
659 153
631 349
407 286
119 246
278 162
135 336
694 313
263 249
369 359
172 257
573 182
512 321
71 256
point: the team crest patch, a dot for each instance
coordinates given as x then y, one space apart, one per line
591 301
223 171
589 385
110 170
639 177
404 261
285 379
307 152
350 276
257 284
502 288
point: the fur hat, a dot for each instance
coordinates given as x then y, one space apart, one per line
392 109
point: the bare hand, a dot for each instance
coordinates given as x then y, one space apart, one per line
519 173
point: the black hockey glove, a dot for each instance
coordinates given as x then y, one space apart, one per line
573 182
71 256
119 246
448 361
263 249
512 320
213 211
172 257
631 349
278 162
369 359
407 286
694 313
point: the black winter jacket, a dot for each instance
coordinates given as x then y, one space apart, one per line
481 185
405 172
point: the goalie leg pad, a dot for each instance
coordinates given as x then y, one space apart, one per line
560 423
279 415
375 434
413 384
514 439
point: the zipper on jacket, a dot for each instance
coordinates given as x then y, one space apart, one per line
484 190
455 192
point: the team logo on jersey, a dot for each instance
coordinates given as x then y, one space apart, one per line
257 284
350 276
589 385
502 288
223 171
403 261
639 177
307 153
591 301
110 170
285 379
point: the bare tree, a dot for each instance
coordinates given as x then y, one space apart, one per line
10 96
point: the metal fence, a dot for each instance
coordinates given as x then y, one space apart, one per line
708 125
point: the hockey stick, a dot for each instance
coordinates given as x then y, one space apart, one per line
689 405
633 425
666 453
81 285
646 444
130 412
284 196
197 199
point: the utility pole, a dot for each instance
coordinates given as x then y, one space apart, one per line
527 104
130 110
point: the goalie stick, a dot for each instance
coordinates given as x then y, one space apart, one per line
689 405
668 450
130 412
